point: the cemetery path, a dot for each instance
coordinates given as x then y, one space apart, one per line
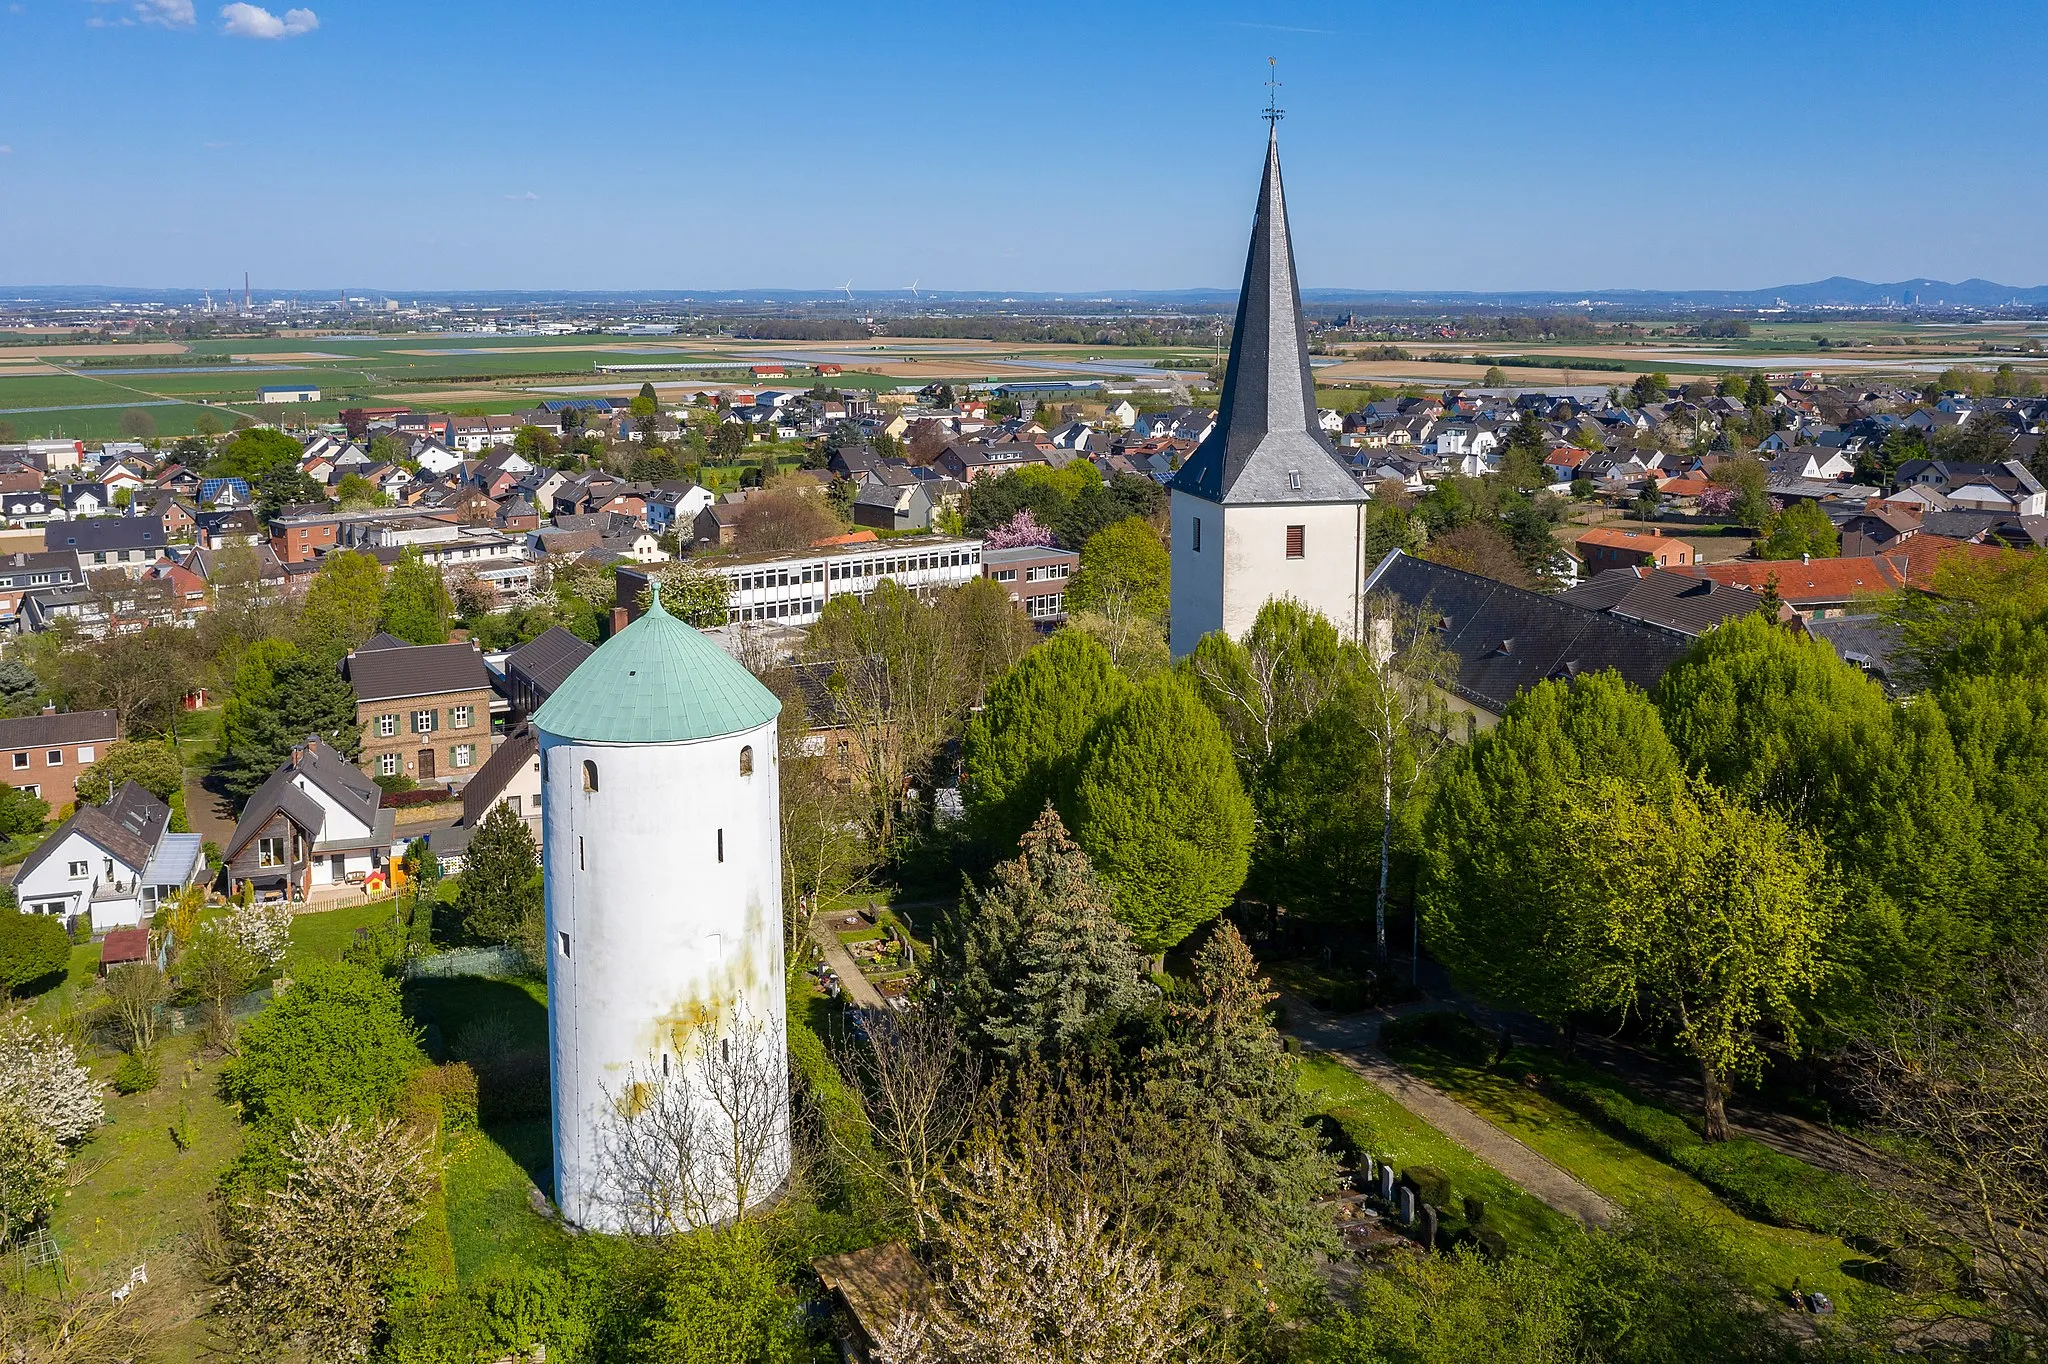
1354 1042
859 988
1817 1143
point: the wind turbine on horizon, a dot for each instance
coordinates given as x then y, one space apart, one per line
913 290
848 288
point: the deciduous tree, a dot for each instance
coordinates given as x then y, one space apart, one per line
416 606
154 766
1711 917
342 605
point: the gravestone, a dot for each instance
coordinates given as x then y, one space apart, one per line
1407 1206
1386 1183
1429 1226
1372 1171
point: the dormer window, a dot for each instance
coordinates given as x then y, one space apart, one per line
1294 479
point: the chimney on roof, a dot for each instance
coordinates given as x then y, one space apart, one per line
49 707
1805 559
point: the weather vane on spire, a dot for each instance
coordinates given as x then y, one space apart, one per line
1274 113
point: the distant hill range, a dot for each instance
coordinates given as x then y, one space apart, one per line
1838 292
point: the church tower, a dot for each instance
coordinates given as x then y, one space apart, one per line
662 862
1264 508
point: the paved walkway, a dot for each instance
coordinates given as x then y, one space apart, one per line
1354 1042
859 988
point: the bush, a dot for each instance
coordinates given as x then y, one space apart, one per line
1452 1034
1349 1134
336 1043
507 1312
1751 1177
1431 1185
33 948
31 1172
137 1073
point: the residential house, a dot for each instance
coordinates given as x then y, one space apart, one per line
20 573
130 543
510 777
675 502
531 673
315 822
86 498
1678 602
1602 549
425 709
112 863
888 508
32 509
174 516
224 493
1878 529
2008 486
44 754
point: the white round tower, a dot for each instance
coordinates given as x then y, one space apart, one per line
661 845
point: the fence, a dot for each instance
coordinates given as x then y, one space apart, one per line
495 962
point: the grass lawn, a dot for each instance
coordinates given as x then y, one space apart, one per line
137 1199
1407 1140
327 933
490 1221
1769 1258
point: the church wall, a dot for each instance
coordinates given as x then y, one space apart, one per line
1197 576
1327 578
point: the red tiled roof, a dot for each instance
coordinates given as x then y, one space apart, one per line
1648 541
1819 580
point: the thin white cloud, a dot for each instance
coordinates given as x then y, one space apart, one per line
216 146
165 13
526 197
253 21
6 150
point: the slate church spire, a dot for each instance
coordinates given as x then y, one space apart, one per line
1267 447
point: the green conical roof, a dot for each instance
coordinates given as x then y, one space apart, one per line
657 682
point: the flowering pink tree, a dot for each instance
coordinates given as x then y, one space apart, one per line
1020 530
1719 500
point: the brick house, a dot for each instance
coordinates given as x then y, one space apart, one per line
44 754
425 709
1601 550
1035 576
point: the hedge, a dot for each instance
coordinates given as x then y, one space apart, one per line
33 947
1751 1177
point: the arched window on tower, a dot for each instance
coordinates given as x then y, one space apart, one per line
747 761
589 775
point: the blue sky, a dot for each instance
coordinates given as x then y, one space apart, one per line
453 144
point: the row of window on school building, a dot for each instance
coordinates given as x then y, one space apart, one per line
797 593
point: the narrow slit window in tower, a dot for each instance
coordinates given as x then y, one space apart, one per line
721 845
1198 535
579 852
562 940
589 775
747 761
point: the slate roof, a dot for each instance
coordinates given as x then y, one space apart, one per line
657 681
63 727
483 790
547 659
126 827
1507 639
1671 601
278 793
1865 641
1267 447
98 534
382 674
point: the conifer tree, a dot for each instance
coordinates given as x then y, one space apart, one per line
1039 957
1025 746
1162 815
1225 1075
300 697
500 878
